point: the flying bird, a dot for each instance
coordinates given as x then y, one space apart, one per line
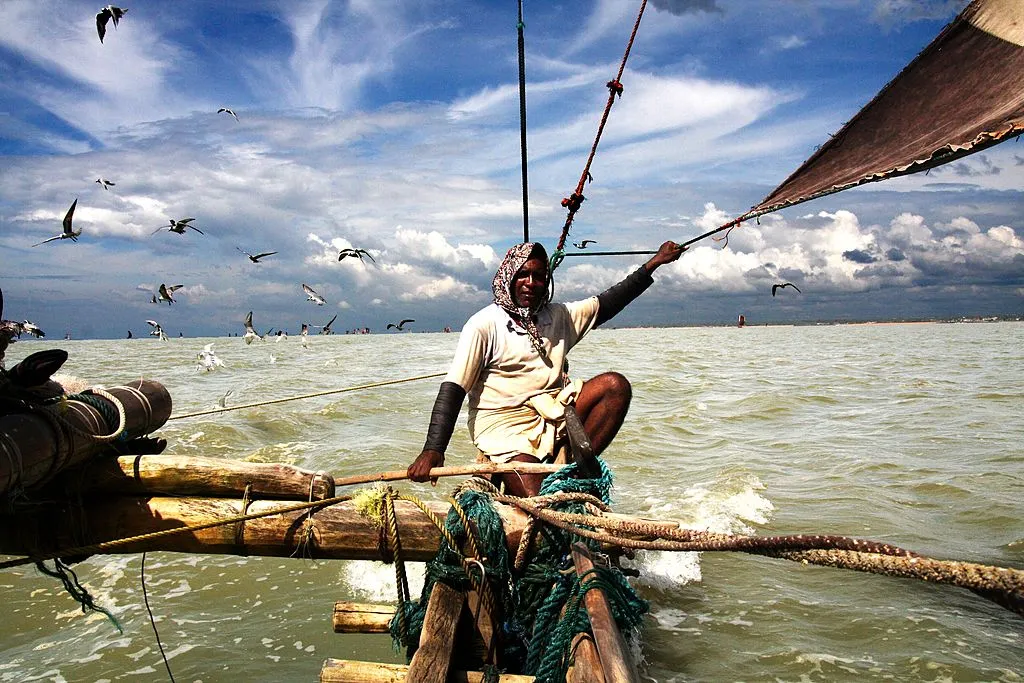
401 324
225 110
179 226
69 233
250 332
207 359
326 329
313 296
358 253
108 13
105 184
9 329
583 244
777 287
157 331
165 293
257 257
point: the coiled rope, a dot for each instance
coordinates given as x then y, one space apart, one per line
304 396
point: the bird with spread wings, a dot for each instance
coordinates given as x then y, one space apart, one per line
166 292
357 253
777 287
108 13
401 324
179 226
313 296
69 233
256 258
157 330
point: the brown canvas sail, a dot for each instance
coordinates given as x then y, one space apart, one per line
962 94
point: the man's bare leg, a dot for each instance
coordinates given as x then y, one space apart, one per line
522 485
602 405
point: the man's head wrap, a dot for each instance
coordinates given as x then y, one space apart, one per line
504 281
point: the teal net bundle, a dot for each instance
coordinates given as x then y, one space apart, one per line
541 607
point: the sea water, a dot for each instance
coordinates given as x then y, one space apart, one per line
908 434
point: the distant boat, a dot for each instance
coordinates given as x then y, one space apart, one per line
67 335
741 322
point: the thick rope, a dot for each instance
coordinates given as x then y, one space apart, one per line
1000 584
314 395
575 200
114 415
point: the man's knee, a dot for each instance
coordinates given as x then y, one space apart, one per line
617 385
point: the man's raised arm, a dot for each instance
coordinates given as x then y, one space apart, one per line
618 296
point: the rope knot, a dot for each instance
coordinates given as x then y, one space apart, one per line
573 202
615 87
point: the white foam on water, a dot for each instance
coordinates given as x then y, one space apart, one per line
53 675
375 581
728 505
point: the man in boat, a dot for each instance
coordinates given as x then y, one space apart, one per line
510 360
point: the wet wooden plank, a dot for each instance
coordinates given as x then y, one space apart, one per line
611 646
433 659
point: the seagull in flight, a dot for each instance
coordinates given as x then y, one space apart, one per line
165 293
157 331
108 13
69 233
250 332
401 324
358 253
326 329
105 184
583 244
207 359
777 287
9 329
179 226
257 257
313 296
225 110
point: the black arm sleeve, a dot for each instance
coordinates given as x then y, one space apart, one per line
443 416
617 297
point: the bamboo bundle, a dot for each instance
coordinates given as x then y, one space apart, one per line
336 531
39 445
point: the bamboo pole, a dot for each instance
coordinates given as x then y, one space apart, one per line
350 671
339 531
34 447
201 476
457 471
611 647
361 617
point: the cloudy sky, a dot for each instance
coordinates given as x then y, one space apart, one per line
394 127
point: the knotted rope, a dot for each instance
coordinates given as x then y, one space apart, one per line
575 200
